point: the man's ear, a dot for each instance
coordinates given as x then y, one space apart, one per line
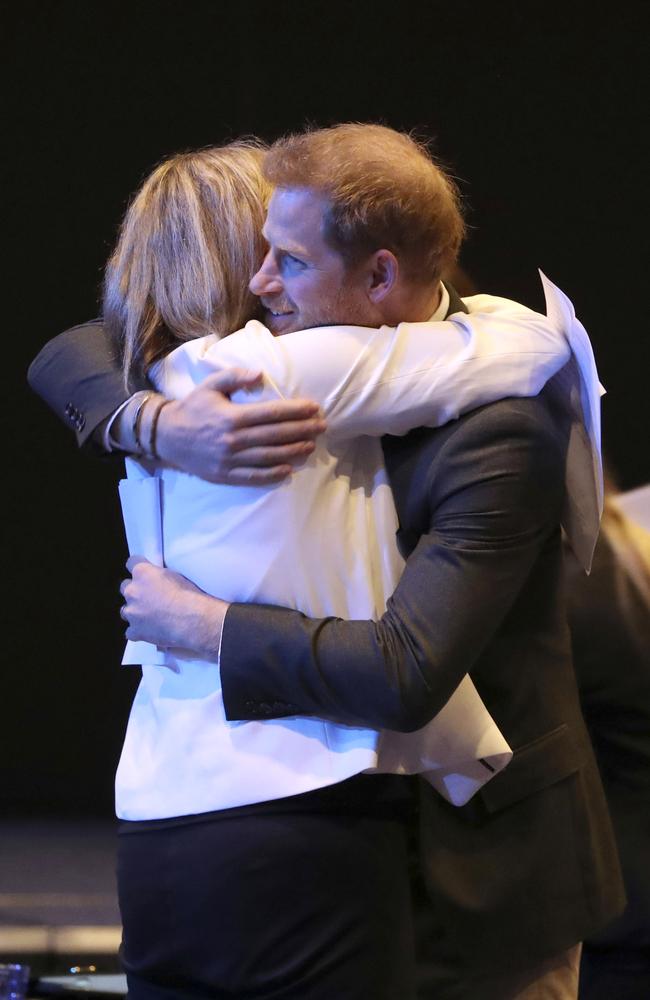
383 273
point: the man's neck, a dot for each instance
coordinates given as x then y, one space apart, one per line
442 306
415 304
431 307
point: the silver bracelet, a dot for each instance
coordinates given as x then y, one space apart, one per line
152 451
137 419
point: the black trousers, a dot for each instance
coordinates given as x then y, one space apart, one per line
304 898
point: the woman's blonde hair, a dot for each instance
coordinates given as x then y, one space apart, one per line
631 544
189 244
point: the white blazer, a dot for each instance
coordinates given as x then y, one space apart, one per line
322 542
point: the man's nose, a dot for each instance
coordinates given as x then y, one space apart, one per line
267 281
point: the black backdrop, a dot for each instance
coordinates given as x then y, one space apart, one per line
538 109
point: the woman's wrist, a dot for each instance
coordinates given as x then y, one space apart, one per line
131 428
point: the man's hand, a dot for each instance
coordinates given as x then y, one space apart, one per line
164 608
251 444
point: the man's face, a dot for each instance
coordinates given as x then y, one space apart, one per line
302 282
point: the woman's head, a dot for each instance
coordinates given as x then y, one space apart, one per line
630 543
189 243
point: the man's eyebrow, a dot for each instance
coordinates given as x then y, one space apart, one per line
285 245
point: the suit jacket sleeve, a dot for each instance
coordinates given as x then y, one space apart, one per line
492 489
79 375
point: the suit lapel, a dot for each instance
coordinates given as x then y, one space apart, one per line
456 304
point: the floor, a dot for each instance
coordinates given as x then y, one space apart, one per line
58 904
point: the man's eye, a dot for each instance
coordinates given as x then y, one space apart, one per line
293 262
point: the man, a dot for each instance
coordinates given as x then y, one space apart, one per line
523 872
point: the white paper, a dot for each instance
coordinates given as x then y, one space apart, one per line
578 384
142 513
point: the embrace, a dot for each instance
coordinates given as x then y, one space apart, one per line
361 484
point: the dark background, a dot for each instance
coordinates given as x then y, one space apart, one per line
537 108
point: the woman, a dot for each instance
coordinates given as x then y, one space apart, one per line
190 786
609 615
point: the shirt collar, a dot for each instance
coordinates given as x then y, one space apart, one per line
443 308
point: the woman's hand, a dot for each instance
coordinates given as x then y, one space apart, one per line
164 608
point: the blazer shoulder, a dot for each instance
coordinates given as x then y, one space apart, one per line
538 422
97 321
90 335
528 430
509 455
75 333
542 414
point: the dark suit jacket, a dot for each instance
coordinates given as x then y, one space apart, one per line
79 376
529 866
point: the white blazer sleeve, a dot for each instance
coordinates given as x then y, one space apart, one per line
392 379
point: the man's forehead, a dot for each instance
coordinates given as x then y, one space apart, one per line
295 215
